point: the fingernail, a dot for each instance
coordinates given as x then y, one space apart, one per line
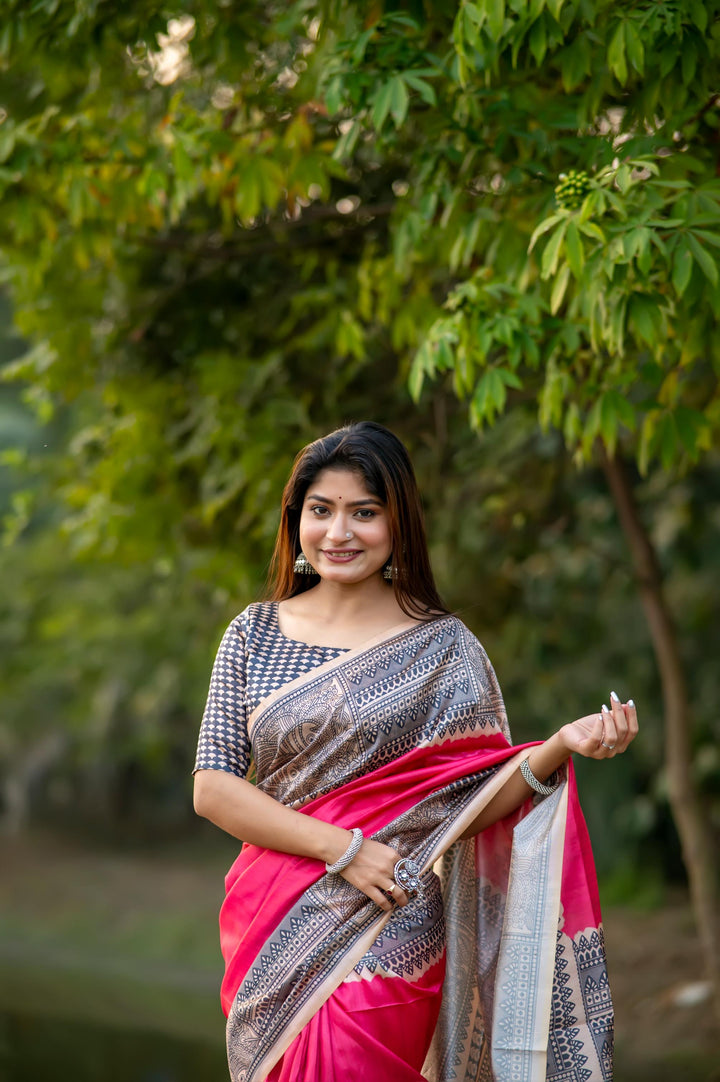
631 702
605 709
614 697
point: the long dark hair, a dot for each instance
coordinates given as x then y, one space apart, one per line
384 464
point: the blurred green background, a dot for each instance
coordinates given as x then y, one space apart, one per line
228 229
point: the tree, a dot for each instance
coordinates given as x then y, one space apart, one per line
610 327
519 197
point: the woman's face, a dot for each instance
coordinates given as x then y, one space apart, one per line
338 504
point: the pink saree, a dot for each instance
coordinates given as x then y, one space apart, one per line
496 972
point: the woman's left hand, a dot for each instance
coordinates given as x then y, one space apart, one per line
603 735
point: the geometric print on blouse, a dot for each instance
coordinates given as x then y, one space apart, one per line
253 660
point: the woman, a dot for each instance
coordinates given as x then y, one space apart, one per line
415 898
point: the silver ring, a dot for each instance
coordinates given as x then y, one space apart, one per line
406 874
608 746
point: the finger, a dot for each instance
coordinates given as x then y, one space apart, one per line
609 737
398 894
620 721
596 734
381 900
632 719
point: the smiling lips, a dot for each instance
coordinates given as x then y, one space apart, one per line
341 555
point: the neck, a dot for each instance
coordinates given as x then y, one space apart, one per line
336 602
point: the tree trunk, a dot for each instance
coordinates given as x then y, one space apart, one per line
695 839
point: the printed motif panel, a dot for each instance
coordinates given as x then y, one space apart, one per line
421 687
582 1019
412 941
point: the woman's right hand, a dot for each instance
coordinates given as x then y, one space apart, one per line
372 872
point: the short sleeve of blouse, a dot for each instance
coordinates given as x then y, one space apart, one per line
223 743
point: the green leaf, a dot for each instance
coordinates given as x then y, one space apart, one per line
682 269
538 40
382 99
622 408
495 17
623 179
420 365
7 141
425 90
691 426
591 229
445 357
489 397
645 318
704 260
616 54
361 44
688 61
575 62
707 236
644 252
399 100
574 249
334 95
469 23
544 226
699 15
510 378
549 262
634 45
475 14
551 396
559 287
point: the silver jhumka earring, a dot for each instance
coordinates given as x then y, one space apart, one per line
302 565
389 572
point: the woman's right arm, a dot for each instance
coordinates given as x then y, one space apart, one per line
241 809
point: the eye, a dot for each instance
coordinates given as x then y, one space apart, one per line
318 510
365 513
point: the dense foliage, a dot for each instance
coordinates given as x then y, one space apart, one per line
227 228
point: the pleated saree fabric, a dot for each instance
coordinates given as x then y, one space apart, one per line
496 971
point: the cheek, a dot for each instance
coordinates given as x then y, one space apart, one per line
311 527
380 535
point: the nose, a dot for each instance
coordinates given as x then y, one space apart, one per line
339 527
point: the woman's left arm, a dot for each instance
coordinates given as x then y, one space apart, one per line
597 736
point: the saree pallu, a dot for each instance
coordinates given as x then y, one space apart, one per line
406 737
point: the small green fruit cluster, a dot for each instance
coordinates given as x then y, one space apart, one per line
572 189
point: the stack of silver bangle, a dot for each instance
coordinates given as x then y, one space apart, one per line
349 855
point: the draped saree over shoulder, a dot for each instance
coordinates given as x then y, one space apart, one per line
406 738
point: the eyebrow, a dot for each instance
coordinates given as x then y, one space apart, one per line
352 503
